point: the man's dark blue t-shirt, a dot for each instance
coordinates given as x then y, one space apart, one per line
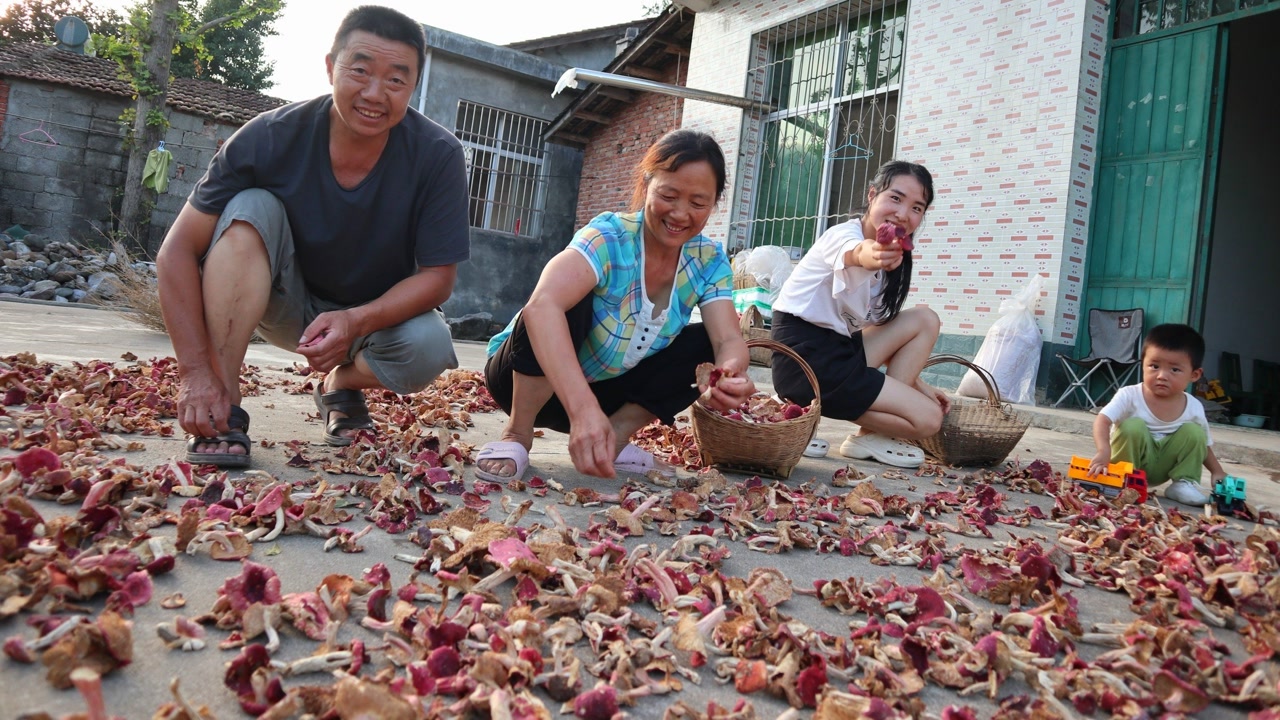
352 245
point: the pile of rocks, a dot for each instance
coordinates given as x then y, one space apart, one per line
35 268
476 326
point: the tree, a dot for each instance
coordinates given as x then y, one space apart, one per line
145 53
234 53
33 20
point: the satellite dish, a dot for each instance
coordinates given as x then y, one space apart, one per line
72 34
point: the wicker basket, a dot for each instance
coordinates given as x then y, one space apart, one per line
771 449
752 325
975 433
744 281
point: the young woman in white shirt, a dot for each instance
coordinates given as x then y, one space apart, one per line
842 311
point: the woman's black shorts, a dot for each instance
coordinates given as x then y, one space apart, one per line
662 383
848 386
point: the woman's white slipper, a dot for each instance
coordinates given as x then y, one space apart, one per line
882 449
817 448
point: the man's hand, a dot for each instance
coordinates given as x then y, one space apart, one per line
203 404
1098 465
592 443
326 343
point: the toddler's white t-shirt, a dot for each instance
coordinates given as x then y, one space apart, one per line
1128 402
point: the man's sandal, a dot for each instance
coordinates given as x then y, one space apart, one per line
348 402
237 434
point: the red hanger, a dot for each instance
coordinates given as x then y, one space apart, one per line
41 136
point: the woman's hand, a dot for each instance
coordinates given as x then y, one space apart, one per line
729 393
734 387
935 395
874 255
592 443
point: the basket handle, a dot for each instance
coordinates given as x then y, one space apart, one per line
993 392
776 346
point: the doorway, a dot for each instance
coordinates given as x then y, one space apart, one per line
1242 293
1185 218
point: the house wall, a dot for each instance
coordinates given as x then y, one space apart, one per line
70 191
592 54
1000 102
503 268
455 78
609 162
4 103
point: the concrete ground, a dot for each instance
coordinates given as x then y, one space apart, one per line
66 334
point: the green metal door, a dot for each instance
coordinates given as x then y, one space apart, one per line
1150 181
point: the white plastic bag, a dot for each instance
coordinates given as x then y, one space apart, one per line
771 266
1011 350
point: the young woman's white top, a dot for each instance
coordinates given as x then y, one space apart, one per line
824 292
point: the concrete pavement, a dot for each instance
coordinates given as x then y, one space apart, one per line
67 334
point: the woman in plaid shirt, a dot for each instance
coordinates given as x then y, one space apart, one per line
604 346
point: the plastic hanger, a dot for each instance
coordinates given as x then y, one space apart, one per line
41 136
859 152
160 147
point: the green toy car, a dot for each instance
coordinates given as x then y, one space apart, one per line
1228 495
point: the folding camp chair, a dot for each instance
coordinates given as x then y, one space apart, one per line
1114 342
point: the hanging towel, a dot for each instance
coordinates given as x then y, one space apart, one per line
156 173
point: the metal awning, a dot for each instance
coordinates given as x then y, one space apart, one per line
572 76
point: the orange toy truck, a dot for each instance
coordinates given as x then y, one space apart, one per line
1119 475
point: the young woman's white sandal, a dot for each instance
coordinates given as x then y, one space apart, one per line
887 450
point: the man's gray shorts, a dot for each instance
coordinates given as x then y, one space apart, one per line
405 358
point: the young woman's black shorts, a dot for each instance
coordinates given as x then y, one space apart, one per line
661 383
847 385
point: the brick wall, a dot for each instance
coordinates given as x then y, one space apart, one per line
4 104
70 191
609 162
999 101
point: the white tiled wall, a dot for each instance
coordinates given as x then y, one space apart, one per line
1000 102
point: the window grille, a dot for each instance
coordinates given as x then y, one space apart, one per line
1139 17
835 77
504 153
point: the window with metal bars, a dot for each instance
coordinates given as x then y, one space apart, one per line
835 77
1139 17
504 153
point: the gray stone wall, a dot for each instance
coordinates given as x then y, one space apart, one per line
70 191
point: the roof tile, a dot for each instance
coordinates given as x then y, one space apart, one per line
32 61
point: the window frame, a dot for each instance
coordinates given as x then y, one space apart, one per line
845 89
503 144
